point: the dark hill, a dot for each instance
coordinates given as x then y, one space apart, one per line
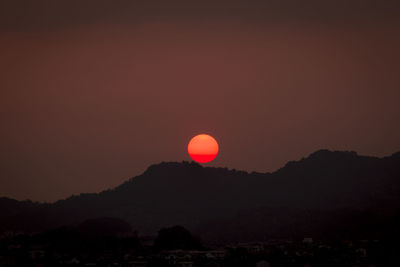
170 193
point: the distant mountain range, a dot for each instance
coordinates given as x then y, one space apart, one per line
327 194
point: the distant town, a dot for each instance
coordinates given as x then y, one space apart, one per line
177 247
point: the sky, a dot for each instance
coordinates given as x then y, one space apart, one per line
93 92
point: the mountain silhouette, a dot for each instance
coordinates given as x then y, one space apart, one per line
328 192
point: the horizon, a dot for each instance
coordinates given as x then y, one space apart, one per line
303 195
202 165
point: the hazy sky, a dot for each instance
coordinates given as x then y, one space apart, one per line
93 92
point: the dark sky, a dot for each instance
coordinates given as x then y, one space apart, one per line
93 92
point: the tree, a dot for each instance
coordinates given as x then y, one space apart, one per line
176 237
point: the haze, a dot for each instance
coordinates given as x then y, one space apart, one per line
93 93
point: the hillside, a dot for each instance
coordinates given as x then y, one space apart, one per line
302 197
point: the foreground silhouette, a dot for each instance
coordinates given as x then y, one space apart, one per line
175 246
326 195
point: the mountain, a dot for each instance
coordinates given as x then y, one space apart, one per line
326 192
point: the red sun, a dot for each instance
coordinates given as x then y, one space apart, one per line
203 148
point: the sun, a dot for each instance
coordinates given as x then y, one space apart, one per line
203 148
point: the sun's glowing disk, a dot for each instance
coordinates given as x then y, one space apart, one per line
203 148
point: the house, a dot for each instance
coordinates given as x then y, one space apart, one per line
36 252
138 263
184 263
262 263
215 254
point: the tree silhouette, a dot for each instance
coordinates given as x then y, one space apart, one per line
176 237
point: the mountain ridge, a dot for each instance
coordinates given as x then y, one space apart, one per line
189 194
